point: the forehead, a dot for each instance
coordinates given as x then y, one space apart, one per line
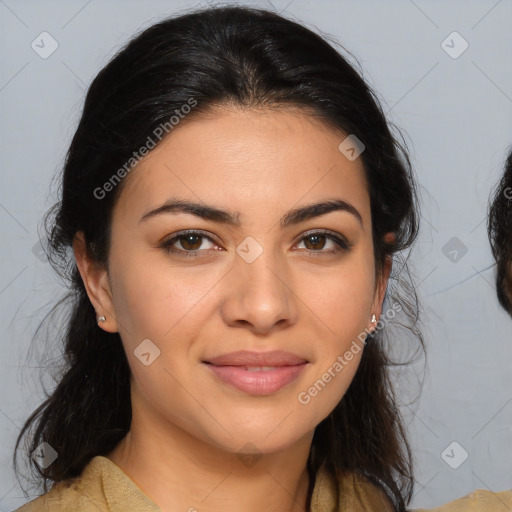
251 157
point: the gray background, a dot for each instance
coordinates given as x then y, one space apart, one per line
456 113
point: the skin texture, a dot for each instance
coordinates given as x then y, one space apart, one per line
189 429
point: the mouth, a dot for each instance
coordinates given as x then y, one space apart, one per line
257 373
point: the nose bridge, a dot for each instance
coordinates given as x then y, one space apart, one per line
259 289
260 268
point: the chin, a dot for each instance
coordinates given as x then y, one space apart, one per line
260 437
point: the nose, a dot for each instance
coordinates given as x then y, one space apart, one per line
259 294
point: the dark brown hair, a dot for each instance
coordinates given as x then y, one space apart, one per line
499 228
249 58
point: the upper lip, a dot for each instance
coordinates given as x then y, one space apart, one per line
248 358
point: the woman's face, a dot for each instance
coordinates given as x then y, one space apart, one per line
270 281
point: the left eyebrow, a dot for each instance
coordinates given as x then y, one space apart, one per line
295 216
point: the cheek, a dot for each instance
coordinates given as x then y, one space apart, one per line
342 299
343 303
153 298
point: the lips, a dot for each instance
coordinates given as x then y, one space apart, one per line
257 373
247 358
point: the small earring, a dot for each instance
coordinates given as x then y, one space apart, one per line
374 319
102 319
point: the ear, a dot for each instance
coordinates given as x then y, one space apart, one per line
382 282
96 283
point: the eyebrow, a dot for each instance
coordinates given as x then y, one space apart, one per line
295 216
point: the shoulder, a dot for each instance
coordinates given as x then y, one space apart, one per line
48 501
101 487
367 495
63 496
352 492
84 493
478 501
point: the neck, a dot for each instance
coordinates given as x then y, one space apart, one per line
180 472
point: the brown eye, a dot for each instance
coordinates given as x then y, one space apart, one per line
189 244
190 241
316 242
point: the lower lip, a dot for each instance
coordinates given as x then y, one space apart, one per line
263 382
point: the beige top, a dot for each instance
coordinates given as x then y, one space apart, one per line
478 501
104 487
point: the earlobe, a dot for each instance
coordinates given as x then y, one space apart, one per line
96 283
374 323
382 285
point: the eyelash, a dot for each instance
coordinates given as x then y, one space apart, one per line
342 244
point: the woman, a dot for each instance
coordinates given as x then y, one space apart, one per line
234 200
